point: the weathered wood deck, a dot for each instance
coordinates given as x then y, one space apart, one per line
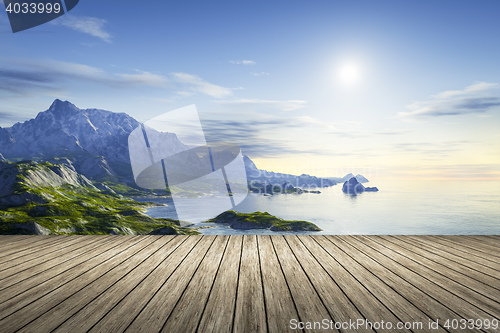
246 283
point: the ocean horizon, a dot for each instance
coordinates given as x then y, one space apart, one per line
401 207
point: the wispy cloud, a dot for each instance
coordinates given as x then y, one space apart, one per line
8 117
477 98
271 135
260 74
257 137
25 77
346 129
92 26
28 77
145 78
290 105
242 62
432 150
197 84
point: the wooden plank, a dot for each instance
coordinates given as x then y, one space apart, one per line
470 260
339 306
419 299
250 313
122 315
495 238
88 316
62 313
463 244
44 277
35 246
468 246
374 294
35 251
10 240
20 295
219 310
467 256
435 286
280 307
154 314
49 305
445 258
363 290
479 242
186 315
243 283
486 239
309 305
22 272
474 291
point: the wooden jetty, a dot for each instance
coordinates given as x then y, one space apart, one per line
249 283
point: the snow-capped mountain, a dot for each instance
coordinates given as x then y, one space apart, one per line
94 141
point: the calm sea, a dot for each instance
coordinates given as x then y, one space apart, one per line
399 208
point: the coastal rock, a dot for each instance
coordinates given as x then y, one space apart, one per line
361 178
259 220
347 177
353 187
34 228
371 189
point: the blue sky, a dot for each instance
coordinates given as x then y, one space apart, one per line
385 88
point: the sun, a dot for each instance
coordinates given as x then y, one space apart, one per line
349 73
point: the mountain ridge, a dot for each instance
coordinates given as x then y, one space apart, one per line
94 141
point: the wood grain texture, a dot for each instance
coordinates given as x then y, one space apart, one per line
249 314
244 283
219 309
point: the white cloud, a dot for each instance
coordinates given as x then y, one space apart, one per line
196 84
290 105
88 25
30 77
242 62
477 98
145 78
472 89
25 77
260 74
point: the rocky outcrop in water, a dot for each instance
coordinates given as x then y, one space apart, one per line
353 187
259 220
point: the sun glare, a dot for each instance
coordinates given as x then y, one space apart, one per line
348 73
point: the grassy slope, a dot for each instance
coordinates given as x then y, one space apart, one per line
72 209
83 211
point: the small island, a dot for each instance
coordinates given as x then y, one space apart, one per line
354 187
259 220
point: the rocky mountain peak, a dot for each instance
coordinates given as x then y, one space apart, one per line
94 140
59 106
